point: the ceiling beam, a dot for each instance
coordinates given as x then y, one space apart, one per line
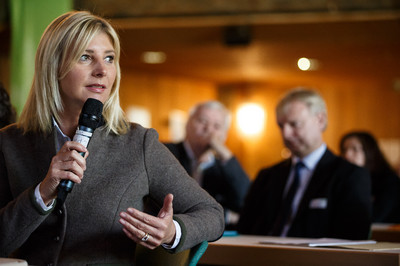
254 19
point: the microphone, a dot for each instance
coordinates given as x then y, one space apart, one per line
89 119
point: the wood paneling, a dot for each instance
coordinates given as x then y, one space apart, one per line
362 107
161 94
365 106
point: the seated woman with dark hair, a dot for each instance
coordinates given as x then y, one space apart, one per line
361 148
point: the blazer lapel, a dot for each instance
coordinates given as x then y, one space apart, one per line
279 185
284 172
44 150
322 175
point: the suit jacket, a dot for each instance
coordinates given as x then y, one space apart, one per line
385 197
226 182
336 203
121 172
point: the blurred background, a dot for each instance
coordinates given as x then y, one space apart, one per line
176 53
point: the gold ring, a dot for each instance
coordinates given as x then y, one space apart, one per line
145 237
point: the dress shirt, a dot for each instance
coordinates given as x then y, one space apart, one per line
310 163
60 139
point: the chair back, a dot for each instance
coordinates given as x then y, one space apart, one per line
196 252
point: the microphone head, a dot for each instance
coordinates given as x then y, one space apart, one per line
91 113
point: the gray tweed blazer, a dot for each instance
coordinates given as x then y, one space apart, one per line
122 171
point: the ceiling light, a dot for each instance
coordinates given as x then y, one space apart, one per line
307 64
153 57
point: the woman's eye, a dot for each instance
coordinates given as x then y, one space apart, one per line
110 59
84 57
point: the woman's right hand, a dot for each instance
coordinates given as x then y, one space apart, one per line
66 164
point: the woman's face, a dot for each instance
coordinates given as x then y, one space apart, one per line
92 76
353 151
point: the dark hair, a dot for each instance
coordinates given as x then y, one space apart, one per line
375 160
7 112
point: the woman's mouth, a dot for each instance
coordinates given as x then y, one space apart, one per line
96 87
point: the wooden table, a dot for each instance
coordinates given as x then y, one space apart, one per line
247 250
386 232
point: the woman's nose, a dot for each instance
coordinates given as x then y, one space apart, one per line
99 69
348 155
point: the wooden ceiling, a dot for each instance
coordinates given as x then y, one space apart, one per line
352 40
359 49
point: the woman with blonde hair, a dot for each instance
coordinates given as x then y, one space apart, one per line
124 166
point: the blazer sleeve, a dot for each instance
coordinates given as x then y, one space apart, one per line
18 216
199 215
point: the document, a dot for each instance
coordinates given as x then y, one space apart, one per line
325 242
376 247
314 242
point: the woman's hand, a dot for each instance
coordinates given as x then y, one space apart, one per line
158 230
66 164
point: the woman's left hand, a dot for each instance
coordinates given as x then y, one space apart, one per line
158 230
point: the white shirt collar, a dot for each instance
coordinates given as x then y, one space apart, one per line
311 160
61 138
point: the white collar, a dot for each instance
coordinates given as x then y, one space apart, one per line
58 129
311 160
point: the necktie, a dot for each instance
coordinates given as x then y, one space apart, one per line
285 212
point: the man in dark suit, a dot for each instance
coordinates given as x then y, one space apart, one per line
331 197
206 158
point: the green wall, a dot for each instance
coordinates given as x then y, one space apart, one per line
29 18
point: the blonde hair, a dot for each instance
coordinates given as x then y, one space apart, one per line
310 98
60 48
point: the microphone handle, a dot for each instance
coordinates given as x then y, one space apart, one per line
82 135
